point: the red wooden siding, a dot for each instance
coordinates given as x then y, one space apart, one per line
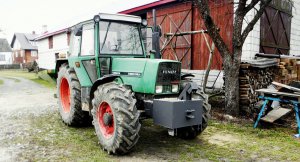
222 13
191 50
173 19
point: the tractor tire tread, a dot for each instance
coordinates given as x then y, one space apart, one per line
126 117
76 117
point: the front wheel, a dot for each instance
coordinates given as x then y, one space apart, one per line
115 118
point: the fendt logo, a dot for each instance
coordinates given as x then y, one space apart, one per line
169 71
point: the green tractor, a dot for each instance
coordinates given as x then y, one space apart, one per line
109 80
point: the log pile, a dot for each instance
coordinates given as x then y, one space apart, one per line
260 74
251 79
287 71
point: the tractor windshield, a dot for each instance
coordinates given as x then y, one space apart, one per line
120 38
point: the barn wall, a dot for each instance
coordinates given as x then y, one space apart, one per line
295 33
175 18
192 51
279 25
251 45
222 13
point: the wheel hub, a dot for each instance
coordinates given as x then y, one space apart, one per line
65 95
107 118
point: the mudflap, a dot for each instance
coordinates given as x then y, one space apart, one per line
174 114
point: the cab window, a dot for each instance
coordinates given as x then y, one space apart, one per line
87 40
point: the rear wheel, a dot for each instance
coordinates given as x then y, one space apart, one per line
115 118
193 131
69 98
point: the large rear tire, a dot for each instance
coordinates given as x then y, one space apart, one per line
69 98
115 118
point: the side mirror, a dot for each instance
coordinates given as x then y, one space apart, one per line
157 29
78 31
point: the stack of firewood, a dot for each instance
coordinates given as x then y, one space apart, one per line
254 75
251 79
287 71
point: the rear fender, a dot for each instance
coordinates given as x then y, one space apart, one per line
59 62
103 80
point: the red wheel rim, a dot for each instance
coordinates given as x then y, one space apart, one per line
106 130
65 94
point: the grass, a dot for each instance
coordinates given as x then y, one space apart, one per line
1 82
10 74
81 144
48 139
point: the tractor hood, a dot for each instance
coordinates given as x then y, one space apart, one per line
141 73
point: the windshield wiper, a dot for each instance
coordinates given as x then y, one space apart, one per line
108 26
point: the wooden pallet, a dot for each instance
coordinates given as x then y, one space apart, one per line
275 114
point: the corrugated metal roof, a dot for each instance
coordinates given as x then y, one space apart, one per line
4 46
147 6
24 40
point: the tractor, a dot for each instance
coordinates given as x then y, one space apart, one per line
109 80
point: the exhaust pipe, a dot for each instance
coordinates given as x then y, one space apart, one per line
155 37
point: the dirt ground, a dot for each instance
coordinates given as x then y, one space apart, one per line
20 100
31 130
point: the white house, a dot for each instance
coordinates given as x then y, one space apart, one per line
5 53
24 48
50 46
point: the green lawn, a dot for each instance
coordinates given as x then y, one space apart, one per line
10 74
220 141
1 82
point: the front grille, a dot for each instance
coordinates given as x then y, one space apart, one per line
168 73
167 88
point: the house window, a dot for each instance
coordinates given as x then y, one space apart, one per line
2 57
33 53
22 53
50 42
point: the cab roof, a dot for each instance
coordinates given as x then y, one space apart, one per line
116 17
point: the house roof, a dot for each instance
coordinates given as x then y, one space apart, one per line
48 34
4 46
24 39
147 6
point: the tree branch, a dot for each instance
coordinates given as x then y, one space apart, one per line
250 6
259 13
211 27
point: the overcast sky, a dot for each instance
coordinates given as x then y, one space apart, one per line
29 15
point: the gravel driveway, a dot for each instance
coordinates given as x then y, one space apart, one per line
20 99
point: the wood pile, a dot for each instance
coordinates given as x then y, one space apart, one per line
288 71
253 78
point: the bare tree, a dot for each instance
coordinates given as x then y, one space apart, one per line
232 59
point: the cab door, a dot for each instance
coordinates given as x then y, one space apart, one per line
83 55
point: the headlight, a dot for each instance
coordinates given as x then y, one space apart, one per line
159 89
175 87
144 22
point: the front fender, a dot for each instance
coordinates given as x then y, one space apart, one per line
102 80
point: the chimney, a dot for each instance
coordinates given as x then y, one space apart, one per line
44 29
